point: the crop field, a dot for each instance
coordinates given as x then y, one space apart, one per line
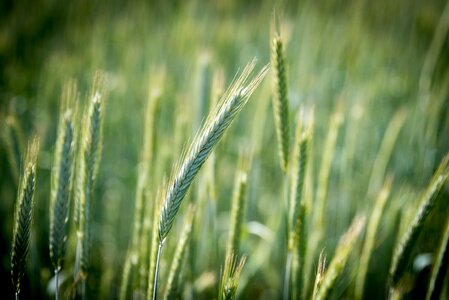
224 149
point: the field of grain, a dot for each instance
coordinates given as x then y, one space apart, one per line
224 149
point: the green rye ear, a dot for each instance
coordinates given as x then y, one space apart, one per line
404 249
280 100
230 277
23 217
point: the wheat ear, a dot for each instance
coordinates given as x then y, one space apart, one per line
282 126
230 277
62 181
238 205
280 100
345 245
298 207
321 269
213 129
89 159
404 249
23 217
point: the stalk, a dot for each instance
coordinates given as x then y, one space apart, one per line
159 252
370 238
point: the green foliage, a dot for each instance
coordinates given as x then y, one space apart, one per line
369 80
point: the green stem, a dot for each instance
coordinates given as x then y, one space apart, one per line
57 284
285 234
288 268
83 289
159 251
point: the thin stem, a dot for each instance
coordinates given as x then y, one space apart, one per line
288 267
285 232
159 251
57 284
17 295
83 289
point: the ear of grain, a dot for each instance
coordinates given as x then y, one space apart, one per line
299 166
404 249
297 235
172 290
440 267
88 162
321 269
280 100
282 126
61 183
344 248
213 129
370 238
238 205
23 217
62 178
230 277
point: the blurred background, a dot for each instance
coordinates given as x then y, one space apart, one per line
371 60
